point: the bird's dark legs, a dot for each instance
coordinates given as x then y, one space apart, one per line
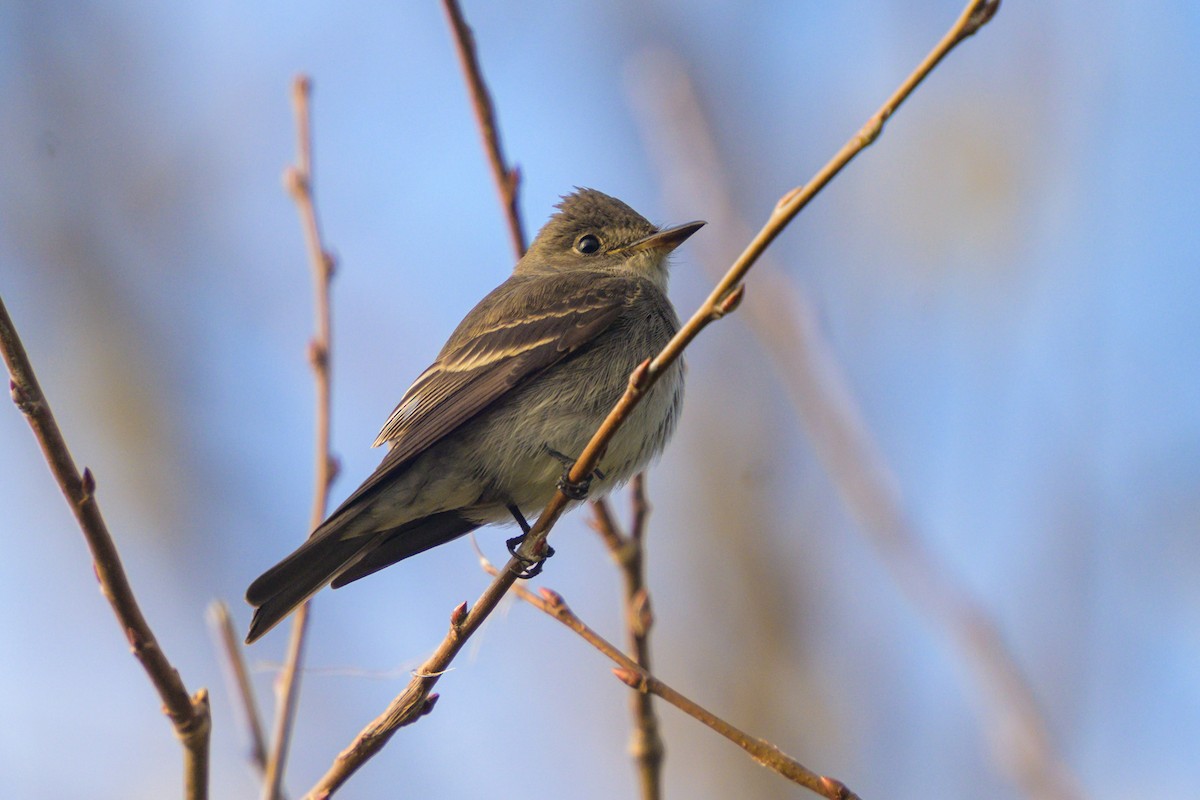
575 490
533 566
572 489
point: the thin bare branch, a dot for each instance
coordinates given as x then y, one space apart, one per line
239 679
628 551
298 180
640 679
605 524
508 179
640 500
189 714
762 751
729 291
414 701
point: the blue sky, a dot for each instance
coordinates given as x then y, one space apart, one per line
1007 281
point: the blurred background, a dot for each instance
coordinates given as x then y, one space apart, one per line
1005 285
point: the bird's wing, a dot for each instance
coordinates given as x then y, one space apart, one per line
494 351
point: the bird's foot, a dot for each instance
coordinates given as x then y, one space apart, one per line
533 566
574 490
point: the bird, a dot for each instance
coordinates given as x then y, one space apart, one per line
488 432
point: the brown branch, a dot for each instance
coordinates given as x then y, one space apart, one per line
605 524
299 182
508 179
762 751
646 744
189 714
239 679
638 678
415 700
782 318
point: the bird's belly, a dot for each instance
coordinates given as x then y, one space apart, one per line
519 468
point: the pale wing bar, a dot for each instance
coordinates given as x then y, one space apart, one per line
447 395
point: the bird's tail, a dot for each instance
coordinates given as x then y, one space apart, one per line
329 558
298 577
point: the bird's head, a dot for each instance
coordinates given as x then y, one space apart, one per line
595 231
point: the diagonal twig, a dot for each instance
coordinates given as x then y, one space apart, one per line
637 677
508 179
299 180
415 699
189 714
239 679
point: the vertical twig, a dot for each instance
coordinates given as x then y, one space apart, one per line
646 745
629 552
299 181
507 179
239 679
189 714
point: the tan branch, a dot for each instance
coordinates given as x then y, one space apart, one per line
415 700
298 180
189 714
640 679
508 179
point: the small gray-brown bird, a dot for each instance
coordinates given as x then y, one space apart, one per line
519 389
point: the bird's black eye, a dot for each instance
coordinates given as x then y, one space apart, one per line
587 244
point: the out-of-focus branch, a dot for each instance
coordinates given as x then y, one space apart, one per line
783 320
239 680
508 179
638 678
415 700
628 551
189 714
298 180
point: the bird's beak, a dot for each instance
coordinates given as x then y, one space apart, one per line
665 240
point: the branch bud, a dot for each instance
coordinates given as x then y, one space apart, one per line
458 616
637 378
730 302
294 182
631 678
87 486
553 599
